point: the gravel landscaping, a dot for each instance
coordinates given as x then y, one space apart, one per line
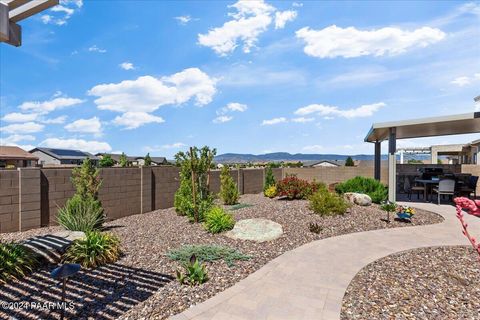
141 284
426 283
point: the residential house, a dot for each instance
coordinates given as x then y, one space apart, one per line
15 157
323 163
61 157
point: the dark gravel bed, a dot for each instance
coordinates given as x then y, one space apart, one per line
139 285
426 283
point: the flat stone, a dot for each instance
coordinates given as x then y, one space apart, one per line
258 230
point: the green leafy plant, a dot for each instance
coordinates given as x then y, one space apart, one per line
325 203
349 162
123 160
315 227
295 188
270 192
193 197
388 207
269 178
81 214
228 188
86 179
147 160
94 250
208 253
217 220
374 188
195 273
106 161
16 261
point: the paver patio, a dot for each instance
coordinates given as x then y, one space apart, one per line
310 281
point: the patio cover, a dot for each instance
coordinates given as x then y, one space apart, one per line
416 128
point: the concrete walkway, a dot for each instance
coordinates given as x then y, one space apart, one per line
309 282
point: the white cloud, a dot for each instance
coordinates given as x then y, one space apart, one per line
22 128
19 117
274 121
57 120
183 20
132 120
313 148
222 119
147 93
176 145
250 19
94 48
366 110
92 125
297 4
15 138
302 119
350 42
465 80
49 105
281 18
232 107
61 13
127 65
91 146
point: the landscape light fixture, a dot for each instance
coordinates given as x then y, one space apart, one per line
13 11
63 272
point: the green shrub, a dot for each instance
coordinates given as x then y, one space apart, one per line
106 161
325 203
16 261
349 162
81 214
195 272
295 188
86 179
217 220
94 250
123 160
269 178
228 188
147 161
375 189
207 253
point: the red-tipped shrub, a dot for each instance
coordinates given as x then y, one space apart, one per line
473 208
294 188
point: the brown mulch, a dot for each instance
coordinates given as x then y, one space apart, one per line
426 283
142 285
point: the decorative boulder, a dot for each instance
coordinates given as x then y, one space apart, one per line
258 230
358 198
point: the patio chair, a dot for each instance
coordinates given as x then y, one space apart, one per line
445 187
409 189
471 186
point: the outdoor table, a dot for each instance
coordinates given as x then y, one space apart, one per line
427 183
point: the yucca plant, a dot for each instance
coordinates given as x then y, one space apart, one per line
94 250
195 272
81 214
16 261
217 220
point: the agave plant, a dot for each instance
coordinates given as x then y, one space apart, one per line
16 261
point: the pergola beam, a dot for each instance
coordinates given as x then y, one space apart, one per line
30 8
13 4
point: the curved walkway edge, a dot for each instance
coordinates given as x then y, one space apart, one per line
309 282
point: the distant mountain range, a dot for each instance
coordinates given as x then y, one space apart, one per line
285 156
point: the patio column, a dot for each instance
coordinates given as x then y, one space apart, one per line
377 162
392 165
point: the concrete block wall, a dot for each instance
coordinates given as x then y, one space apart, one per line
9 205
329 175
165 182
253 180
56 189
215 179
29 198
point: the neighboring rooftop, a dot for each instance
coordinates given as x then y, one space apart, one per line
15 153
63 154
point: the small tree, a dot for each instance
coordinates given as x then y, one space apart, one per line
106 161
228 188
269 178
86 180
349 162
147 161
123 161
388 207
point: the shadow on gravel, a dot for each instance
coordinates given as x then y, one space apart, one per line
103 293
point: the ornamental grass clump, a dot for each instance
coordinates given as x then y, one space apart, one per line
374 188
293 188
208 253
94 250
217 220
228 188
327 203
16 261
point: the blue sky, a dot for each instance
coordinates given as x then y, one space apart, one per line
244 77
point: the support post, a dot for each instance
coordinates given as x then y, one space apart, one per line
378 160
392 165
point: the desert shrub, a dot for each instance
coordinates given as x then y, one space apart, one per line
94 250
295 188
81 214
195 273
269 178
16 261
106 161
217 220
315 227
123 160
207 253
325 203
375 189
228 188
194 177
270 192
349 162
86 179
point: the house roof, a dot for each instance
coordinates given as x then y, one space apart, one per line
311 163
116 157
64 154
15 153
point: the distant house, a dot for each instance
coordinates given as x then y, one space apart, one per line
15 157
134 161
323 163
156 161
59 157
116 158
